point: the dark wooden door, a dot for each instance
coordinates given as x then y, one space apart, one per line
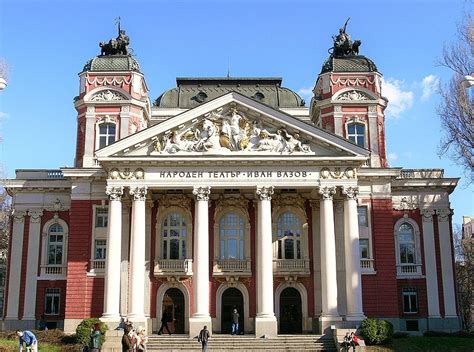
231 299
173 304
291 317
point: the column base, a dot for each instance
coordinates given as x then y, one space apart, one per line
355 317
196 324
326 322
266 326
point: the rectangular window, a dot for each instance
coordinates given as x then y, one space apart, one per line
410 301
101 217
100 250
362 215
51 301
364 249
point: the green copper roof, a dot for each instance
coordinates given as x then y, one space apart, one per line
112 63
191 92
357 63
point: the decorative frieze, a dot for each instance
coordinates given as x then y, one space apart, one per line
108 81
359 81
443 214
327 193
338 173
114 192
178 200
239 202
108 95
127 174
202 193
139 193
353 95
265 192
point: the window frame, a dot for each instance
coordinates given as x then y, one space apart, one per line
52 295
162 213
355 135
418 261
224 238
166 254
98 234
298 211
45 246
410 292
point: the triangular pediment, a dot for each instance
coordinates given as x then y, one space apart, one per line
232 125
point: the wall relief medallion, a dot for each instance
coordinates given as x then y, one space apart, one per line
353 95
127 174
108 95
337 173
230 131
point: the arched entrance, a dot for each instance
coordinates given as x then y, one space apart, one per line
173 304
232 299
291 317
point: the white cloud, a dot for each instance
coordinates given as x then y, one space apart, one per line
3 115
392 156
306 94
398 99
429 84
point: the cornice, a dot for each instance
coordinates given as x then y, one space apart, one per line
448 184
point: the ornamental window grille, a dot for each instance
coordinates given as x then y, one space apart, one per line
55 245
289 231
406 244
231 237
101 217
52 299
356 133
174 233
410 300
106 134
100 249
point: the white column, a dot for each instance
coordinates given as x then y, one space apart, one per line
137 255
352 256
112 262
89 137
149 210
15 265
265 321
446 263
316 255
328 256
430 263
32 265
201 315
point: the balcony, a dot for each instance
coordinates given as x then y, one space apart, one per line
53 270
173 267
366 265
408 270
98 265
299 267
232 267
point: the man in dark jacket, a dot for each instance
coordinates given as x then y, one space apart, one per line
235 322
203 338
165 318
127 343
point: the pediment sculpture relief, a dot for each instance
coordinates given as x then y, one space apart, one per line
232 131
353 95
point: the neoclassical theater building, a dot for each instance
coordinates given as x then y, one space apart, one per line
228 193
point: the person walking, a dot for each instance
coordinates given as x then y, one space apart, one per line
203 338
127 342
142 339
165 318
95 338
29 339
235 322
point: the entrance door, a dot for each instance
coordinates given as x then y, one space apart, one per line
231 299
173 304
291 317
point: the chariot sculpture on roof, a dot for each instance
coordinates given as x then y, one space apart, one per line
343 44
116 46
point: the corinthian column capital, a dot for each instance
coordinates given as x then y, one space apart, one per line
19 215
350 192
114 192
35 215
139 193
327 193
202 193
265 192
443 214
427 215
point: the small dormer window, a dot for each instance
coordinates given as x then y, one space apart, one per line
106 134
201 97
258 96
356 133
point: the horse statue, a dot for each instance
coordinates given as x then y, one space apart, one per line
115 46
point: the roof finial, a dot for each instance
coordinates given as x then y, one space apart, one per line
117 22
228 69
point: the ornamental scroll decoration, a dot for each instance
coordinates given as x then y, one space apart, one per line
127 174
108 95
337 173
238 202
221 131
286 201
353 95
178 200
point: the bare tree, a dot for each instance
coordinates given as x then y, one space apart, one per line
464 254
457 103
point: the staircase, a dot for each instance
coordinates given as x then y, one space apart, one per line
249 343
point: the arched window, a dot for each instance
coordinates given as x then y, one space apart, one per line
55 246
106 134
231 237
406 244
289 236
174 233
356 133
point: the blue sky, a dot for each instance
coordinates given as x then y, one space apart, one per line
46 43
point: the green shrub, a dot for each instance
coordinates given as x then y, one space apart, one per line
376 331
83 331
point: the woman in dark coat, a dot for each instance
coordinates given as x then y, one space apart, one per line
127 343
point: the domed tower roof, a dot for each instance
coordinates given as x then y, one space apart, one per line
112 63
355 63
191 92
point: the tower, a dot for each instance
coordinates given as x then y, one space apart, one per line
113 99
348 100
